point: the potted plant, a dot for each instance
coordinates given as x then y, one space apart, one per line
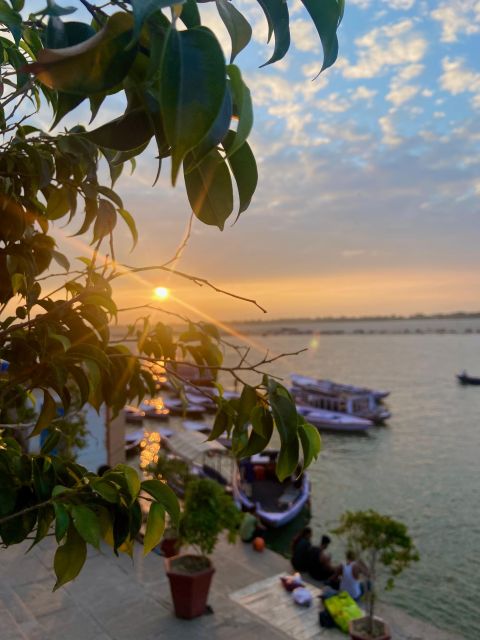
378 540
208 511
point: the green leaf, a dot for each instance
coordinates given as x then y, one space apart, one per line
66 102
51 442
44 520
12 20
155 527
244 168
132 479
131 130
276 12
192 89
69 558
143 9
106 490
222 423
326 16
47 413
311 441
130 222
237 26
61 260
165 496
87 524
105 221
93 66
287 461
243 109
217 132
209 188
190 15
62 520
58 203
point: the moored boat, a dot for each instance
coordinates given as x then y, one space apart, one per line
178 408
324 395
333 421
336 387
465 379
255 484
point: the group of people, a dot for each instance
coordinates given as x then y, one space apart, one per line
315 561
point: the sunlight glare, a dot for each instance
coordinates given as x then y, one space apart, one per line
161 293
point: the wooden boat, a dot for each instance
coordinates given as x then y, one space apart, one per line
132 442
255 484
198 427
333 421
465 379
179 408
322 394
133 415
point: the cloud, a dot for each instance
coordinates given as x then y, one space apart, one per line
399 94
363 93
390 135
458 79
458 17
398 5
390 45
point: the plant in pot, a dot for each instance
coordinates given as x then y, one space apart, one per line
382 543
207 512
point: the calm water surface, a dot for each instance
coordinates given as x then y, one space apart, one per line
424 467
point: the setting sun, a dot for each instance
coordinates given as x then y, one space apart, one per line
162 293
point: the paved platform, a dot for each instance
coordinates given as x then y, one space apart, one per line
115 599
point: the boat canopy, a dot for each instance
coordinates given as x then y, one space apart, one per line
192 446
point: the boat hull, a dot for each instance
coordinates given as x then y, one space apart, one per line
468 380
270 518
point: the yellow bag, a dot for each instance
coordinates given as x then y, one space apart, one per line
343 608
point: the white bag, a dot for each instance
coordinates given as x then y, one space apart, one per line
302 596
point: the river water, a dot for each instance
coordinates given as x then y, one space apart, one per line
423 467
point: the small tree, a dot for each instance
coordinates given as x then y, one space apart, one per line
379 540
208 511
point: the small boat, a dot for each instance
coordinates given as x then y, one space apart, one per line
322 394
179 408
133 415
255 484
132 442
328 386
465 379
198 427
334 421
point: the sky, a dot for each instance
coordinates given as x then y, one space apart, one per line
369 183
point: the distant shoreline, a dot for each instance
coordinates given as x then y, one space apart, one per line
458 315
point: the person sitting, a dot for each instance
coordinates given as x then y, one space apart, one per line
350 573
251 527
301 546
319 562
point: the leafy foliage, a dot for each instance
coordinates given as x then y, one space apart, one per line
380 539
208 511
178 92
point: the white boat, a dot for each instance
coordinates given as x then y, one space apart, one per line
323 394
333 421
328 386
255 484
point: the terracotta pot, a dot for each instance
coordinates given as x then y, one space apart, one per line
189 590
356 629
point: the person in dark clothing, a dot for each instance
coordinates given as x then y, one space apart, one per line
301 546
319 562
